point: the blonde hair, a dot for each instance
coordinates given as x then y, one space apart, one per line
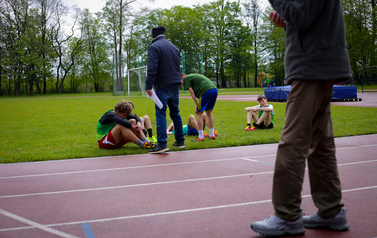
123 107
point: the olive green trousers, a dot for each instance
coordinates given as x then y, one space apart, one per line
307 136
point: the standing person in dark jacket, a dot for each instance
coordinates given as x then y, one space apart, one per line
164 73
316 57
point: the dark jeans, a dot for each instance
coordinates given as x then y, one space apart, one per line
169 97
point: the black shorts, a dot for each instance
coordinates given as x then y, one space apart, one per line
262 126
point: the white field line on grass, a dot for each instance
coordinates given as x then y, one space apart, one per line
250 158
174 212
159 183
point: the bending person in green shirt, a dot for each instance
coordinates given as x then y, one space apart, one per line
204 93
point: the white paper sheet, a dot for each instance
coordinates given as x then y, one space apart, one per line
156 99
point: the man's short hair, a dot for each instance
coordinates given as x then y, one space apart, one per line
123 107
260 97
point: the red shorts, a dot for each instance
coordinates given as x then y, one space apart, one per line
108 142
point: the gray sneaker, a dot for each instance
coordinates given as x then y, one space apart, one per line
274 226
338 223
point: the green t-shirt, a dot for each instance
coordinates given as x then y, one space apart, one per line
272 112
199 83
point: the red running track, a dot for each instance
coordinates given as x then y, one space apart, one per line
201 193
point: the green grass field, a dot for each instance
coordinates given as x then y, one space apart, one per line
53 127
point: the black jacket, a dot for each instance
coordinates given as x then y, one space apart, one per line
163 65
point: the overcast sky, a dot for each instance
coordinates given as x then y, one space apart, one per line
97 5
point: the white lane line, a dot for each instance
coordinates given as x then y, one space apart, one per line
135 185
36 225
133 167
257 161
160 183
359 146
175 212
358 162
161 165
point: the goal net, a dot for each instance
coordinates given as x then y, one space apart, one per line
136 80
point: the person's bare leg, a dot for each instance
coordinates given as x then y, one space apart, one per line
142 121
211 120
199 121
147 122
266 118
118 131
192 122
205 120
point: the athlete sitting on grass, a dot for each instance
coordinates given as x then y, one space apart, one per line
191 129
146 124
115 130
265 117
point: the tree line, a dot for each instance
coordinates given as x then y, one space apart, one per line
46 47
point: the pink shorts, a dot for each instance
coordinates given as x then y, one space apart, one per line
108 142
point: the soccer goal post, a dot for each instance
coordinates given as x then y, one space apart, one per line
140 80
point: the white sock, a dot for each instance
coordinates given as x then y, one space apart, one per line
201 134
212 132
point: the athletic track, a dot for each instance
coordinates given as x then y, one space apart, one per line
201 193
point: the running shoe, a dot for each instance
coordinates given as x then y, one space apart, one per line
149 145
158 149
338 223
274 226
152 139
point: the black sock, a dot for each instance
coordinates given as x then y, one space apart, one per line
150 133
248 124
145 132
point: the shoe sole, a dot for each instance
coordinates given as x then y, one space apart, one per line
335 227
159 151
298 232
180 147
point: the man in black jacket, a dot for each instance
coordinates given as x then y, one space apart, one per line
164 74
